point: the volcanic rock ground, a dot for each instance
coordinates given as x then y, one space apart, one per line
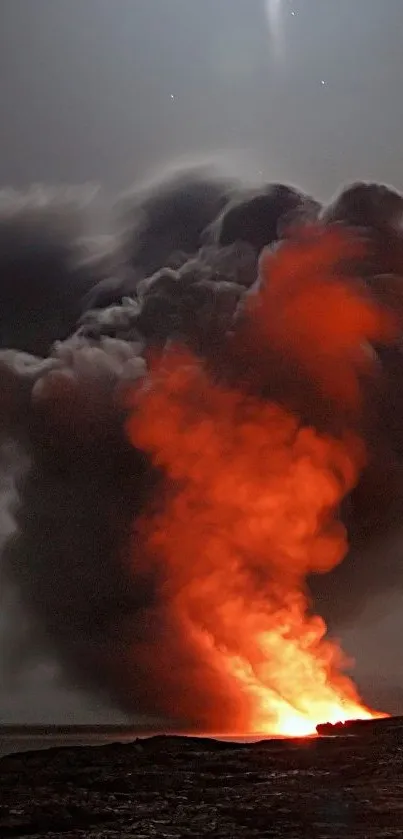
348 787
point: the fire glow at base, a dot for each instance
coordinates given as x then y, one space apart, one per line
316 702
252 507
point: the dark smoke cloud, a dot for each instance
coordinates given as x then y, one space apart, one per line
48 263
84 487
178 269
366 205
161 224
262 217
374 510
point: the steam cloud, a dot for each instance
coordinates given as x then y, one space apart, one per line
81 321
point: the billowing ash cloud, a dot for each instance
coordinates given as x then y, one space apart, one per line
48 263
161 224
263 216
79 327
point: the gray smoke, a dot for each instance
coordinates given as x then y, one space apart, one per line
48 263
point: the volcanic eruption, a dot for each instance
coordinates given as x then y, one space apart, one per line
188 462
252 507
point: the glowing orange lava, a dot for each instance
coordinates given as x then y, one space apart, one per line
252 507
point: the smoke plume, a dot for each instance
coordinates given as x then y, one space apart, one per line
287 318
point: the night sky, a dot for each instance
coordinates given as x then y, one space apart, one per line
307 91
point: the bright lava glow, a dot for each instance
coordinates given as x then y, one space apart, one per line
315 702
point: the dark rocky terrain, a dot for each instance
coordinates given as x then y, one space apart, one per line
349 786
362 727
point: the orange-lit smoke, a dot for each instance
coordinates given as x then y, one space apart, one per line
311 312
252 504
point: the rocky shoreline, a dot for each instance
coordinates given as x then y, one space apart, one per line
171 787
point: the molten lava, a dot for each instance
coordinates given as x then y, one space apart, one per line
250 508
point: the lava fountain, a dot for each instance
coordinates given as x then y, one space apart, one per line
251 502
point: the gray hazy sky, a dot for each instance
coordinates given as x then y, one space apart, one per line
310 91
86 85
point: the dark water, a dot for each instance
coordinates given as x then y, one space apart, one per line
22 743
